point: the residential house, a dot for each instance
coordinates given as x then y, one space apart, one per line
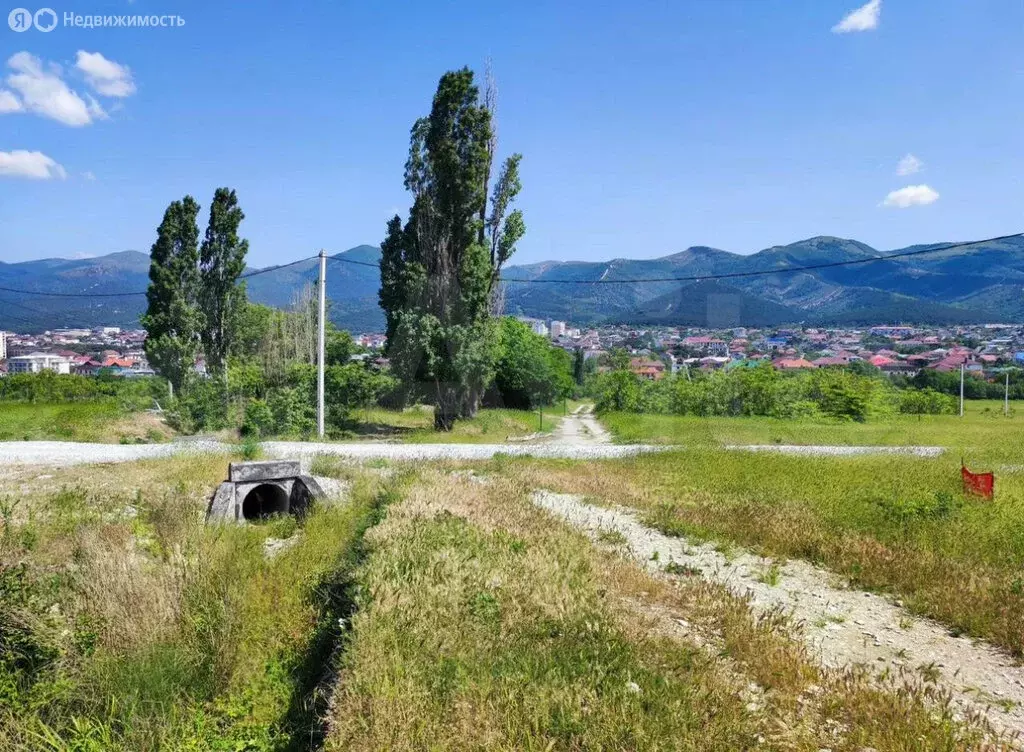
36 362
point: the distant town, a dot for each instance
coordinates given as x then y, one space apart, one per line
983 350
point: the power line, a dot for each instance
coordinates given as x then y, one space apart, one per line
513 280
730 275
247 275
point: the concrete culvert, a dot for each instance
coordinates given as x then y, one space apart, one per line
265 501
255 491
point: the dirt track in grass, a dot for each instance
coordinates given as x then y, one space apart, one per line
843 627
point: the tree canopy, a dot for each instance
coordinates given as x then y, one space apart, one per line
439 269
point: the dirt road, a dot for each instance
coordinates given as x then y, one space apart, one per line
844 627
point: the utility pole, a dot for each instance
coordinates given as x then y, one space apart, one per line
1006 397
320 346
961 390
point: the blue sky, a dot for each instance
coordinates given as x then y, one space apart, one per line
646 127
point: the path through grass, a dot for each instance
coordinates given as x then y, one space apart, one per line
889 523
485 624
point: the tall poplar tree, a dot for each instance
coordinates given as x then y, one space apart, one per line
172 319
439 270
221 262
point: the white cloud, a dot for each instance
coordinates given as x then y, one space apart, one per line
865 18
106 77
912 195
909 165
89 175
8 102
43 92
29 164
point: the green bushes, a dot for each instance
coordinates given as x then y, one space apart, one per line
763 391
50 387
924 402
530 372
284 406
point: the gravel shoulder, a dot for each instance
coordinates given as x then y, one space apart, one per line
843 627
65 453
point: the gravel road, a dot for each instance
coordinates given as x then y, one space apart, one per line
842 626
399 452
63 453
581 428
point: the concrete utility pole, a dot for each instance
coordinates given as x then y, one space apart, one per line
320 346
961 390
1006 397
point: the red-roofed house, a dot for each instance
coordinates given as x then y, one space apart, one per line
652 370
792 364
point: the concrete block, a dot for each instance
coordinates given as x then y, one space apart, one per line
244 472
260 490
222 505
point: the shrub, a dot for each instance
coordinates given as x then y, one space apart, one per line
259 420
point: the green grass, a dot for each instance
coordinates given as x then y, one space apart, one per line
889 523
440 613
416 425
126 624
486 624
100 420
984 426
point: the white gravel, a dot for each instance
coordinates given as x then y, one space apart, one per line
843 627
838 451
64 453
421 452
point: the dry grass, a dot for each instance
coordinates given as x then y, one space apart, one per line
484 624
416 425
127 624
891 524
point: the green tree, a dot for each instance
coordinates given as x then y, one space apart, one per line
172 319
439 270
221 262
338 346
530 372
579 366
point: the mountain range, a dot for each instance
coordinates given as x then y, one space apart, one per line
974 284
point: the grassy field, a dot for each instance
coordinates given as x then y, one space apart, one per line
126 624
416 425
889 523
106 422
101 421
484 624
983 427
434 609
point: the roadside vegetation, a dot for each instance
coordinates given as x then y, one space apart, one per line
415 425
758 389
893 524
484 624
126 624
80 408
984 428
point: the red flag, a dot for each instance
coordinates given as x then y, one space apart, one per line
979 484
